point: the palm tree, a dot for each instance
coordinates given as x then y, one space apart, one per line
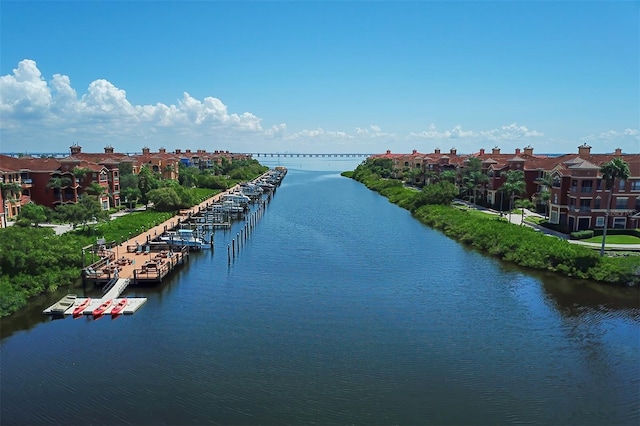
80 173
478 179
10 190
56 183
546 182
513 185
448 176
95 189
473 176
617 168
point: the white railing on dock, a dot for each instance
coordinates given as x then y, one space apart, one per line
115 288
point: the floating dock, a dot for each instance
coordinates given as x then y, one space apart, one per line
112 292
133 304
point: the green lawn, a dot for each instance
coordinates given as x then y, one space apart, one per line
615 239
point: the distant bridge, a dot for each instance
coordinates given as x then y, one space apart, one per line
301 154
253 154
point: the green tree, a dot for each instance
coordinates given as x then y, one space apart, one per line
147 181
95 189
11 191
131 195
164 199
80 173
125 168
440 193
617 168
448 176
33 214
57 183
410 174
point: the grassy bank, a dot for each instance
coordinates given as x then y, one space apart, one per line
517 244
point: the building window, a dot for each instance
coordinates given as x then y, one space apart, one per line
556 182
596 204
600 222
635 185
637 203
553 217
555 198
585 205
574 186
599 185
586 187
619 222
406 164
621 185
622 202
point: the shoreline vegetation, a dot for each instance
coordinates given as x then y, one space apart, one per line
495 236
34 260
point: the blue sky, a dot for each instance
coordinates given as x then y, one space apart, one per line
318 76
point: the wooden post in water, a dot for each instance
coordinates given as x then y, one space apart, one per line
228 254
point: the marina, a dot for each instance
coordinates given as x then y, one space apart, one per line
164 248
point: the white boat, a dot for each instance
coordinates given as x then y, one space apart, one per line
265 185
184 237
227 207
251 189
237 198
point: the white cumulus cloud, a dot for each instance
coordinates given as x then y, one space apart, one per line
105 112
25 92
614 135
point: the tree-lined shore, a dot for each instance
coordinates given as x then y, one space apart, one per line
494 235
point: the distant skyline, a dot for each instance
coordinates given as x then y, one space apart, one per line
316 76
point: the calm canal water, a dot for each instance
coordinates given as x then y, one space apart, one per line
340 309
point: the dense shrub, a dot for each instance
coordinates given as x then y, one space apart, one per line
581 235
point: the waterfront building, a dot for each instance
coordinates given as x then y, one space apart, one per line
55 181
578 197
